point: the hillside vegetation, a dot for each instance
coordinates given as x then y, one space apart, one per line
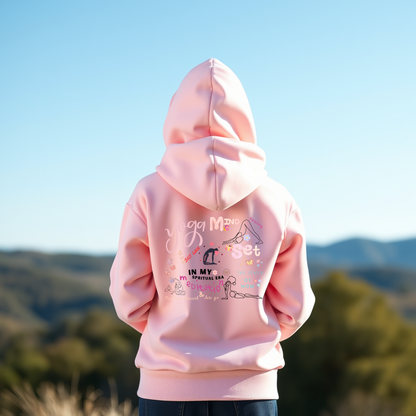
38 289
356 351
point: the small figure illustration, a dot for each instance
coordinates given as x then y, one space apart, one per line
211 251
245 228
233 294
178 288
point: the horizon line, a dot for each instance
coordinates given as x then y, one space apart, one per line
105 253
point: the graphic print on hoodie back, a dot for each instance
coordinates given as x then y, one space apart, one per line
205 277
211 266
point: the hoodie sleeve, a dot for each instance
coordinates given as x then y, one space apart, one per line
289 290
132 286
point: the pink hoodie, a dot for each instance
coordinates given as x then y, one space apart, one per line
211 265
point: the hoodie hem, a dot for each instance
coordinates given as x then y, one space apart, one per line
216 385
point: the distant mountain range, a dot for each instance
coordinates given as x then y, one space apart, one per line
360 252
388 266
38 289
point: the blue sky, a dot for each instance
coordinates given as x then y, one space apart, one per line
85 87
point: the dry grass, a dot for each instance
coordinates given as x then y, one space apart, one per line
54 400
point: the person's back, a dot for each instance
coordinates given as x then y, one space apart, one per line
211 265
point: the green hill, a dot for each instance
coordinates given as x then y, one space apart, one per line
39 289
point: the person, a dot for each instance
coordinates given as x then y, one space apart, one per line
210 218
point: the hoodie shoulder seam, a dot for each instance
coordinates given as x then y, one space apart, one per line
131 207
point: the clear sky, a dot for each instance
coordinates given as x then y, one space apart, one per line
85 87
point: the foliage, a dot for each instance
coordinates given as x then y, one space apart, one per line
96 347
358 403
354 352
353 340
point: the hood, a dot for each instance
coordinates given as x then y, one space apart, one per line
211 153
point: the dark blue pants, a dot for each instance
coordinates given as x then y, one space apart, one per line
149 407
